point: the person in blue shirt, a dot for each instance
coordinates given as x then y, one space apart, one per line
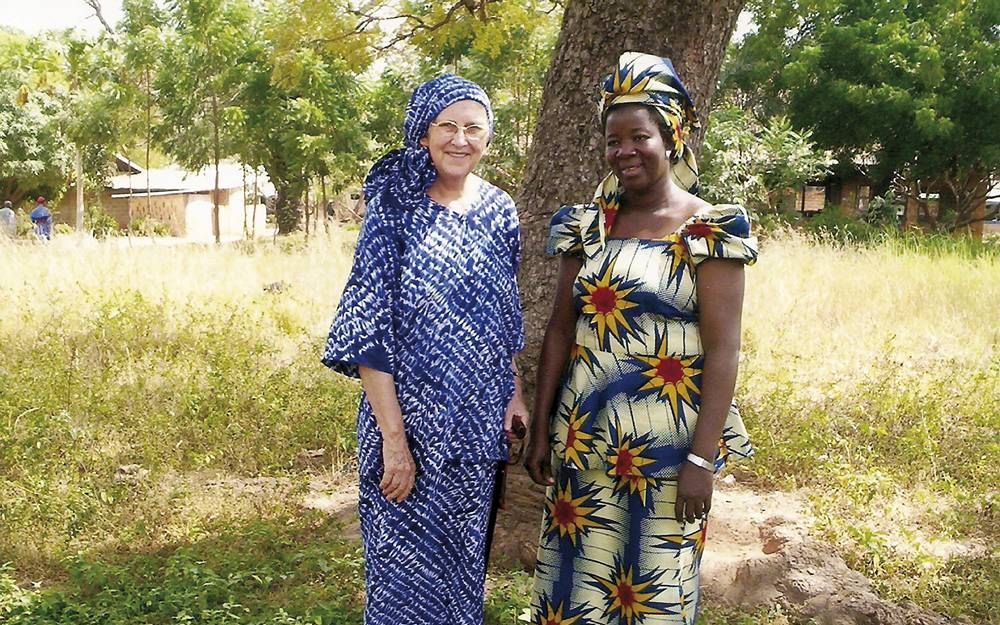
41 216
430 320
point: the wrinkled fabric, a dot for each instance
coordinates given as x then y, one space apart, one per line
426 556
432 300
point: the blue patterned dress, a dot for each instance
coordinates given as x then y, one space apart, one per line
432 299
611 551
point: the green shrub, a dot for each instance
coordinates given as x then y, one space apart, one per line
285 571
24 226
98 222
149 227
836 224
882 211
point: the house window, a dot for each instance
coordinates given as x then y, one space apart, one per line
813 198
864 196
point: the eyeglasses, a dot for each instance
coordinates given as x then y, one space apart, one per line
474 133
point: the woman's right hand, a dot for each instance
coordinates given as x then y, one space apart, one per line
400 472
537 461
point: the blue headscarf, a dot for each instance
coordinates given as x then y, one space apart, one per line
408 172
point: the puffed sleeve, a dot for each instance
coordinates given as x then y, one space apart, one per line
362 332
564 231
721 231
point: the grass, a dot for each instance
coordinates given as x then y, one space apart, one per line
869 379
276 571
175 359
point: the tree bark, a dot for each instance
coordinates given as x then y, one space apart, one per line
566 162
287 209
326 217
79 190
99 14
246 226
308 211
256 197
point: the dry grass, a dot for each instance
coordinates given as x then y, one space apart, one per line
869 377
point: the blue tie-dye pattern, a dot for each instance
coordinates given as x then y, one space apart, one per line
433 300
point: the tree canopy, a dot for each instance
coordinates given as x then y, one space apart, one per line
910 84
313 90
34 154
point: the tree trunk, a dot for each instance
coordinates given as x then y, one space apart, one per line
566 162
79 190
246 226
967 192
287 209
149 140
326 217
256 197
308 212
216 150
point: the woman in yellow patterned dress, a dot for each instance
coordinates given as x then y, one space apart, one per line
637 370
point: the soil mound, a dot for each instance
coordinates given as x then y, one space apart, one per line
759 554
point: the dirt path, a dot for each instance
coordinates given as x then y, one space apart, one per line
759 554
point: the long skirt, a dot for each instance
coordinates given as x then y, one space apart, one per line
425 558
611 553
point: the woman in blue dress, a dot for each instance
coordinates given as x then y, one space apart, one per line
430 320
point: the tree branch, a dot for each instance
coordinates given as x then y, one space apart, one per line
415 24
96 6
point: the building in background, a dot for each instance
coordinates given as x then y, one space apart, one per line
182 200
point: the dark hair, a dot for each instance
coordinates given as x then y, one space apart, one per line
666 133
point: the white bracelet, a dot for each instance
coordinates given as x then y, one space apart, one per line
698 461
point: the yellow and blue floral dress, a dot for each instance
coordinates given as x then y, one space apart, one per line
610 550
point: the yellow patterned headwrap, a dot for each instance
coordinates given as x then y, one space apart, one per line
651 80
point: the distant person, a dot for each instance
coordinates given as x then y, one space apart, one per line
41 216
8 221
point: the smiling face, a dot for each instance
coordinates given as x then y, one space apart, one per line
635 149
455 156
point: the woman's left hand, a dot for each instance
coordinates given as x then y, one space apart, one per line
516 406
694 493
